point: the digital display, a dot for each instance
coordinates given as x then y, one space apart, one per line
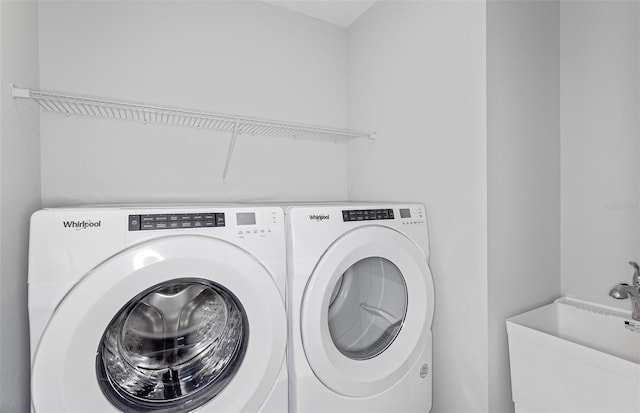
246 218
405 213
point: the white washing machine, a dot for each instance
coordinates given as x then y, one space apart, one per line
158 309
360 302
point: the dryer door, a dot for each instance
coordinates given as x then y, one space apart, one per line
367 311
170 325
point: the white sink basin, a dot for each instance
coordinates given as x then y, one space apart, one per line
574 356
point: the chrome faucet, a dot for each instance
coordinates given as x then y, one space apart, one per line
632 292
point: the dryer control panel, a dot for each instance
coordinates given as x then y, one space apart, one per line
176 221
408 216
366 214
412 216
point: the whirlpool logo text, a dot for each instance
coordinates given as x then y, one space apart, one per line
78 225
319 217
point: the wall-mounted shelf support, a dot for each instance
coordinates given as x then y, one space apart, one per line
232 144
237 125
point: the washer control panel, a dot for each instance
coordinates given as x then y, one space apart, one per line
176 221
255 224
366 214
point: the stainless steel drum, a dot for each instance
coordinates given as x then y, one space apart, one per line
173 347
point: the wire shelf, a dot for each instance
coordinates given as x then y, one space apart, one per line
237 125
112 109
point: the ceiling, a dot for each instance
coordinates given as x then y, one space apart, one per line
339 12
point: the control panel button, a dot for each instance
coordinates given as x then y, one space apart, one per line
134 222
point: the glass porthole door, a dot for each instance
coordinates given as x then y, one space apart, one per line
366 311
367 308
178 343
174 324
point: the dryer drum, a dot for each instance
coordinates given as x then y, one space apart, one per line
367 308
173 347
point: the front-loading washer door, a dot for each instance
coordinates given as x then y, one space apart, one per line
367 311
169 325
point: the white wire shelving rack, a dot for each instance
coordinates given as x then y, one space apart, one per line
237 125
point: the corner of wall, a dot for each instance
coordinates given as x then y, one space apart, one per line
19 194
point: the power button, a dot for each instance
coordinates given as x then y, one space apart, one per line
134 222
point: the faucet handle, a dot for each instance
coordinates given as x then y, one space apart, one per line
636 275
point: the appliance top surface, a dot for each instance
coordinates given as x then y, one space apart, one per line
182 205
176 206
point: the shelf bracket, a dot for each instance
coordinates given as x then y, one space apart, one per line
232 144
17 92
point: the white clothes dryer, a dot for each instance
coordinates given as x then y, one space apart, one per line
158 309
360 302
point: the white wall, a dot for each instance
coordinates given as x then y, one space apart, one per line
466 111
523 112
246 58
417 77
19 195
600 103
